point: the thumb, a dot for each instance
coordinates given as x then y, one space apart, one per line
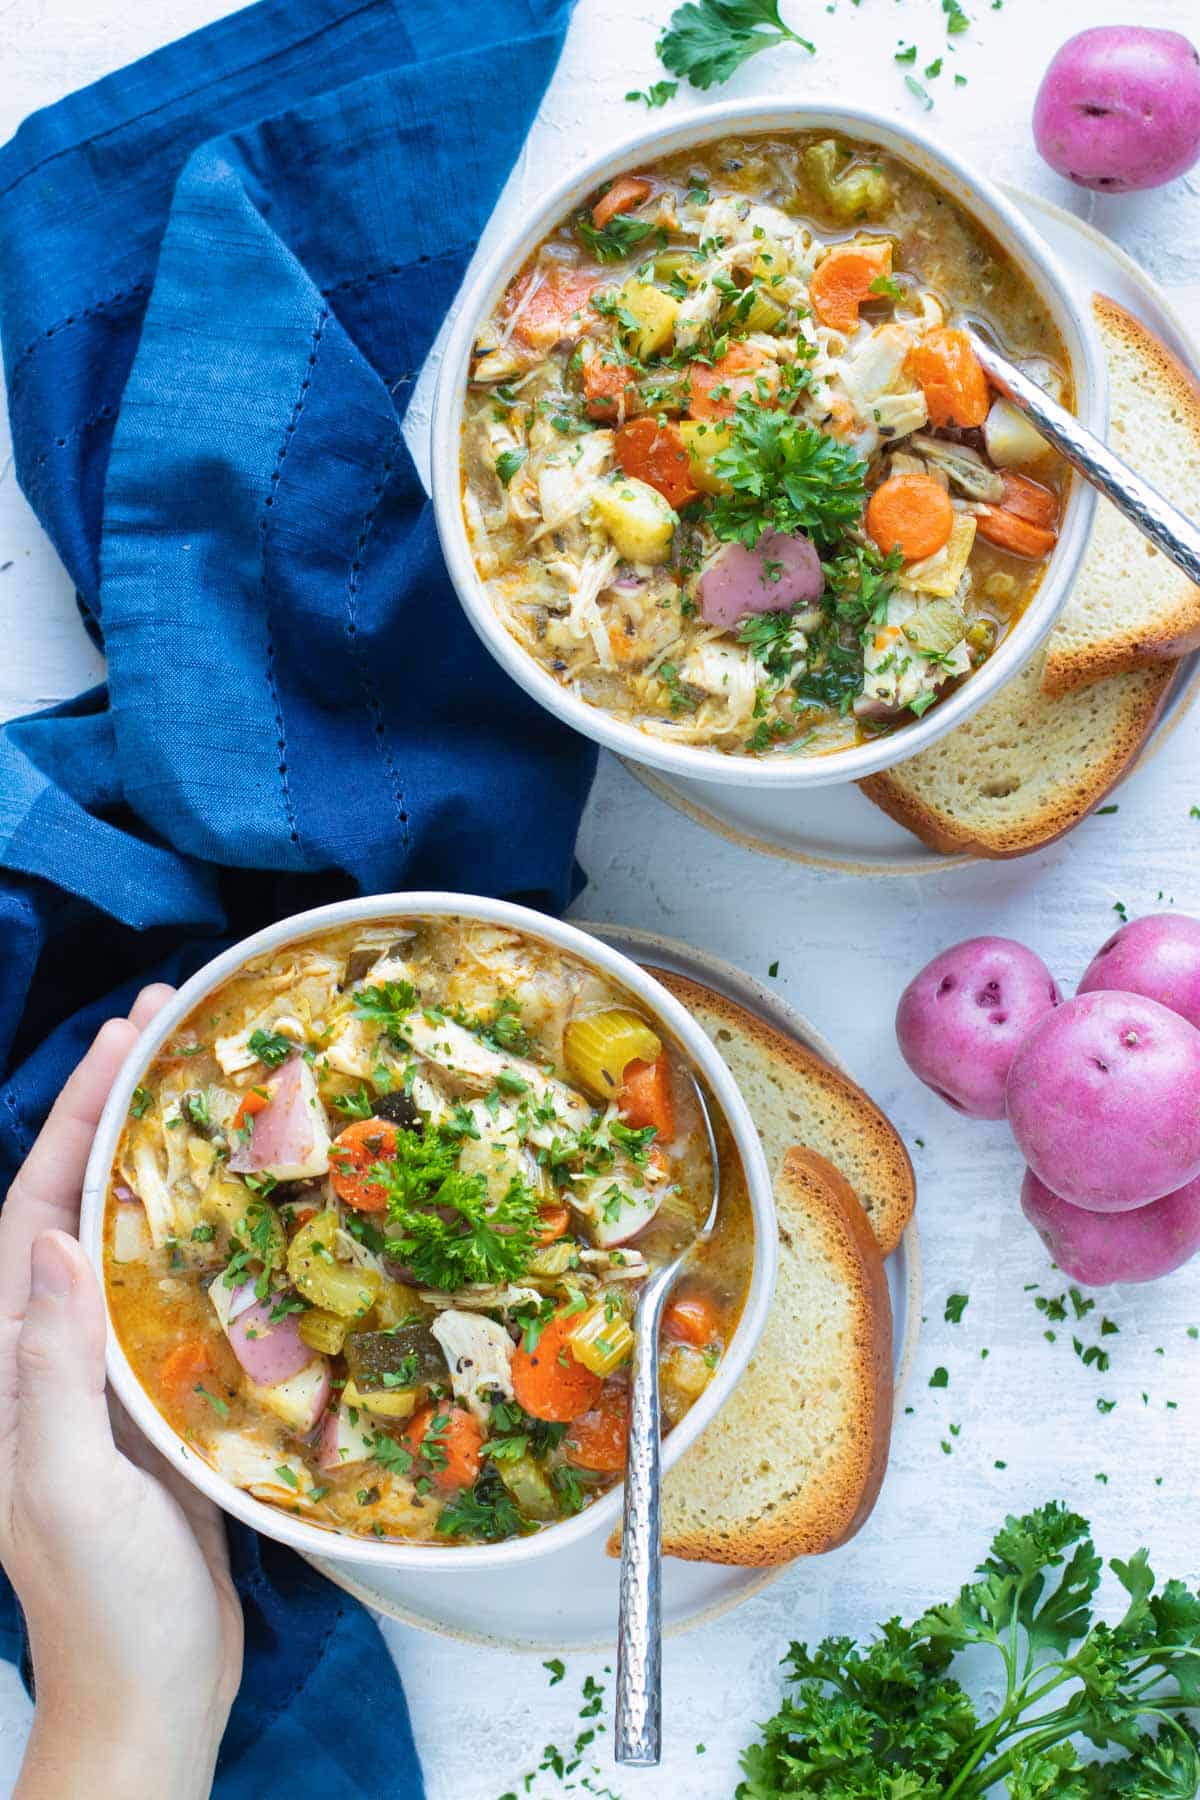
62 1415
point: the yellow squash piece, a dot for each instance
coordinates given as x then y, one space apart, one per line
385 1403
939 575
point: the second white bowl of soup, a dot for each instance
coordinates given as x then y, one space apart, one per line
373 1199
717 475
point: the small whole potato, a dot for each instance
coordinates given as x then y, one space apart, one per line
1158 956
1119 108
960 1020
1104 1101
1100 1248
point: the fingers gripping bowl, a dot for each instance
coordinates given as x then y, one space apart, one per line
372 1200
716 473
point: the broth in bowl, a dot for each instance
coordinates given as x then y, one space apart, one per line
731 471
378 1221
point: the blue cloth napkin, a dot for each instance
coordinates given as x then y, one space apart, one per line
220 272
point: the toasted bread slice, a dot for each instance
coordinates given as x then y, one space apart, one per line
793 1463
1130 607
795 1098
1026 767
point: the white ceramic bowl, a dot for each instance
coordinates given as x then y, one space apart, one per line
978 197
367 1551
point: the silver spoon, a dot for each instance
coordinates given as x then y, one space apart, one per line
1153 515
638 1725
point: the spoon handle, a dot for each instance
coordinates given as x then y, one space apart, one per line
638 1723
1153 515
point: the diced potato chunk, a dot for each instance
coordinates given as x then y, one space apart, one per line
655 315
772 260
637 519
1011 439
703 440
940 574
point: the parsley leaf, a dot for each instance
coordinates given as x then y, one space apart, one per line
706 41
508 462
270 1047
389 1004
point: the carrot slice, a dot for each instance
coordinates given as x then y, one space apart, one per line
951 378
1010 532
626 192
1030 500
646 1098
356 1150
554 1222
912 514
605 385
185 1366
843 281
547 1380
444 1441
556 311
599 1438
654 453
253 1101
714 392
692 1317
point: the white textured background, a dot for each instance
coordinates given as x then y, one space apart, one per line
845 948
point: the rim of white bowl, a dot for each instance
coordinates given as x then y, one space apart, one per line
315 1540
977 196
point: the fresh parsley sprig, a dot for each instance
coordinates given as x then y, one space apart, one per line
890 1719
707 41
444 1223
785 476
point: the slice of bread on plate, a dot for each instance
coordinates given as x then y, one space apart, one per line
793 1462
1027 767
795 1098
1130 607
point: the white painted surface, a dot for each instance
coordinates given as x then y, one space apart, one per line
845 948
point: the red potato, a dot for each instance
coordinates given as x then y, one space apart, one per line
960 1021
1158 956
344 1441
287 1133
1104 1101
781 571
1119 108
1099 1248
268 1351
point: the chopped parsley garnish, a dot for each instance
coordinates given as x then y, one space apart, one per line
485 1511
621 236
956 1306
358 1105
785 476
141 1102
655 96
388 1004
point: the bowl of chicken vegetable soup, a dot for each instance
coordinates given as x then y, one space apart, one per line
373 1202
718 474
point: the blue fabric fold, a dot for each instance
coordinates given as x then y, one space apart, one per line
220 273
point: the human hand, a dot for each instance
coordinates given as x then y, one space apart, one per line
122 1568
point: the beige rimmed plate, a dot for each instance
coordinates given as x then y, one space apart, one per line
568 1601
837 827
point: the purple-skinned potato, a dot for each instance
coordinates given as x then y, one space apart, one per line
961 1019
1158 956
1104 1101
1098 1248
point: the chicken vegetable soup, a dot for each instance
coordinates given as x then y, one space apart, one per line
379 1218
731 468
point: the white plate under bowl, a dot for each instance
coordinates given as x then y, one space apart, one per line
838 827
568 1601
